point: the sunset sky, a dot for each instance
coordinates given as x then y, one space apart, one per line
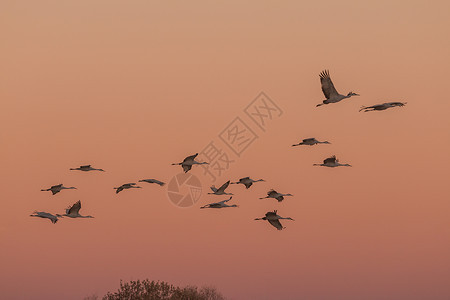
133 86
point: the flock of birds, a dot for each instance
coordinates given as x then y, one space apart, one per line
332 96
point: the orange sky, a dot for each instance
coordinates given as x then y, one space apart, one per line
134 86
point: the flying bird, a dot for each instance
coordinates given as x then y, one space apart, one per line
332 162
310 142
87 168
330 91
383 106
221 190
221 204
247 181
46 215
55 189
126 186
274 219
188 162
274 194
73 211
153 181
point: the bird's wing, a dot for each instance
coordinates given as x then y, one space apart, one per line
330 160
271 214
280 198
224 186
119 189
186 168
244 179
46 215
395 103
156 181
213 188
328 88
248 184
224 201
54 192
276 223
309 140
74 209
271 193
190 158
85 166
56 186
43 214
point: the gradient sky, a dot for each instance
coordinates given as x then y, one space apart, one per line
133 86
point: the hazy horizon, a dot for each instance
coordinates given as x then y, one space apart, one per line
132 87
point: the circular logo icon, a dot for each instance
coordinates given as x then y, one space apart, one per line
184 190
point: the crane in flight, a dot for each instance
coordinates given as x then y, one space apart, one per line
382 106
221 204
332 162
46 215
55 189
87 168
274 219
330 91
310 142
153 181
247 181
73 211
221 190
188 162
126 186
274 194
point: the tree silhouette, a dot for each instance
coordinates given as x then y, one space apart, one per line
160 290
